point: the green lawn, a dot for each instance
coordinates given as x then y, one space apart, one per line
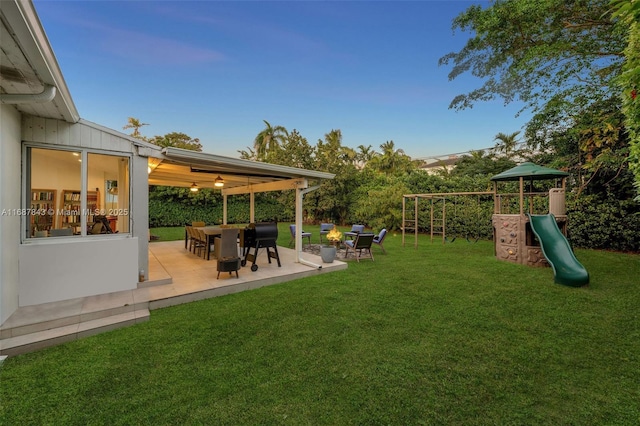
433 335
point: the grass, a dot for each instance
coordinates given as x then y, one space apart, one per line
433 335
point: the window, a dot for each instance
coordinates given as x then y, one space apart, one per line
75 192
108 193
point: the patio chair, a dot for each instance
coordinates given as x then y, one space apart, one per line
362 243
200 242
187 236
292 229
355 230
193 238
379 239
325 228
226 248
197 223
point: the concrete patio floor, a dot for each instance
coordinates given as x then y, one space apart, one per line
176 276
194 276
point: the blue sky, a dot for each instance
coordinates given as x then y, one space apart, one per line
216 69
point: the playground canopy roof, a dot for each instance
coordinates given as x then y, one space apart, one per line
531 171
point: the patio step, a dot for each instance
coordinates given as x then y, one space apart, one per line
22 342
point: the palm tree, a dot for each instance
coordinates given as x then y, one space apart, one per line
507 143
392 160
330 150
268 140
135 124
364 155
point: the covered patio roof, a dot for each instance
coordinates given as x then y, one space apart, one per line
183 168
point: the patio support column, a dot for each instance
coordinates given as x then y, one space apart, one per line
224 209
298 221
302 189
252 207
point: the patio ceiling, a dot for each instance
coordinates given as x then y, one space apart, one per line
183 168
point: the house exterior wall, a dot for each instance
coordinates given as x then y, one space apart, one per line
10 152
62 269
56 271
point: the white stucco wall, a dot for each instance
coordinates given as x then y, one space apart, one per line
80 267
10 152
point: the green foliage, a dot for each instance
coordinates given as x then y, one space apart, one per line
629 82
538 50
481 166
170 206
608 224
177 140
561 59
268 141
379 203
391 160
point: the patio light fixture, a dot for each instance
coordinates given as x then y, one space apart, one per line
219 182
194 187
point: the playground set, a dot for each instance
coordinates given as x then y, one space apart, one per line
521 233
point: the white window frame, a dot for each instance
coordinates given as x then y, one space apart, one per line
84 155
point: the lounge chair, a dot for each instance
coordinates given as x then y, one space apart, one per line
362 242
292 229
355 230
378 239
325 228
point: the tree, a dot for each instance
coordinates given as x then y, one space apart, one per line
268 140
629 13
561 59
478 164
330 153
538 50
177 140
391 160
295 151
135 124
364 155
506 143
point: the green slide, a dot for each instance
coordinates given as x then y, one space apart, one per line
566 268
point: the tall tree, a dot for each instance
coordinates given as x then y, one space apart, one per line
135 124
391 160
331 155
506 143
364 155
560 58
269 139
177 140
538 50
295 151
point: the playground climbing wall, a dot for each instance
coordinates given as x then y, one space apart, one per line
515 241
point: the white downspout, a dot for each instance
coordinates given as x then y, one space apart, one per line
299 197
46 95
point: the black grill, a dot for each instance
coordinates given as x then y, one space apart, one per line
257 236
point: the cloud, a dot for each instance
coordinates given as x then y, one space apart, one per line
138 47
146 49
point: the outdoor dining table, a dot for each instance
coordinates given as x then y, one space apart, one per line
210 232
